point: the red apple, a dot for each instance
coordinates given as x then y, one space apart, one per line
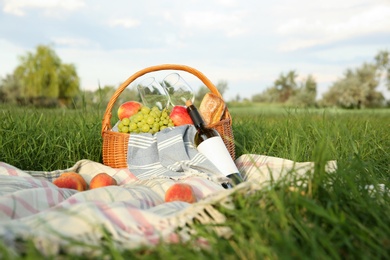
78 176
102 180
69 182
128 109
180 192
180 116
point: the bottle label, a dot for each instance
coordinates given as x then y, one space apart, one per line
215 150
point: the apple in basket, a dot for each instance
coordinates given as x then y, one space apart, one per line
101 180
180 116
128 109
180 192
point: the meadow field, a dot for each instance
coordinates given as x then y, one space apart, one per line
339 221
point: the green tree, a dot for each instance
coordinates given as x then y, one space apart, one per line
222 87
238 98
129 94
44 76
305 95
69 83
382 61
103 95
356 89
286 85
281 91
270 95
10 89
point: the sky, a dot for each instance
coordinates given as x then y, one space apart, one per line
247 43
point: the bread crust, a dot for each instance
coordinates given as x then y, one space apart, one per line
212 108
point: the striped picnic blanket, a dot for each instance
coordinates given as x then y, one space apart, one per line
133 213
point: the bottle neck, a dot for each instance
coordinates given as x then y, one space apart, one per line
196 117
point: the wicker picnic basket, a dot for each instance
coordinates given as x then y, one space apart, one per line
115 144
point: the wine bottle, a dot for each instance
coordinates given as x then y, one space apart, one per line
209 143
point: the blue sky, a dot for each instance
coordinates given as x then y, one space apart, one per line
247 43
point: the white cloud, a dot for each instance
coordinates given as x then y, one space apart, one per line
316 28
124 22
228 2
18 7
73 42
230 23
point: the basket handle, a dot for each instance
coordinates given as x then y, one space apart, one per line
106 124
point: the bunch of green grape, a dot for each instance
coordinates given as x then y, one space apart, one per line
147 120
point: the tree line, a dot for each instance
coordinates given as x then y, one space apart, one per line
42 79
356 89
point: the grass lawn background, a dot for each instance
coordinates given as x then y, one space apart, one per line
338 221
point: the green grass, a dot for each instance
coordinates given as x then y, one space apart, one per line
319 221
40 139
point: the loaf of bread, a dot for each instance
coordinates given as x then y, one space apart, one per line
212 108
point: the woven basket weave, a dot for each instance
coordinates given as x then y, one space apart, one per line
115 144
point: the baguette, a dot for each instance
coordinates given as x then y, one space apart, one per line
212 108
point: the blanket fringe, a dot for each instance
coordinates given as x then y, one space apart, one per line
205 212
